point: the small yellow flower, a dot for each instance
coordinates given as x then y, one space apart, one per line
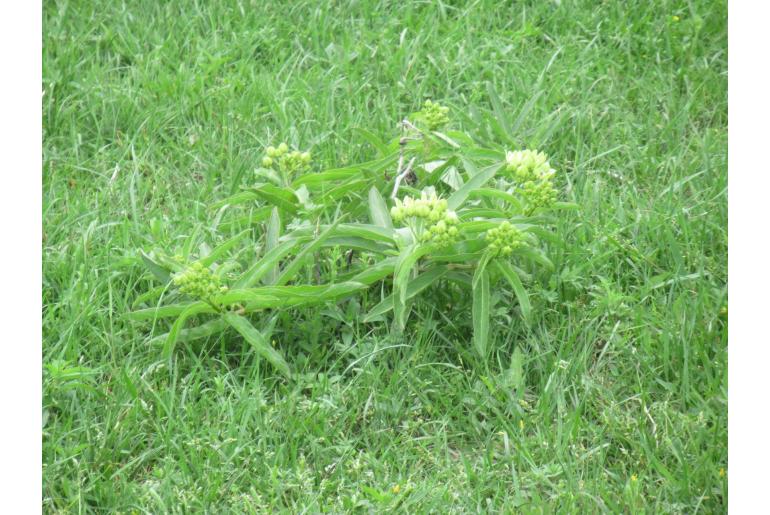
396 489
722 472
634 479
521 425
675 18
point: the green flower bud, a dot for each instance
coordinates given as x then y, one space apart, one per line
283 148
272 152
267 162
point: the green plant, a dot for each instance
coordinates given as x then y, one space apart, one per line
470 216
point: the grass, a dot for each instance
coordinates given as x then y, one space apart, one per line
153 110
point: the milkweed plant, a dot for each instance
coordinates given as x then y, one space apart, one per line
435 213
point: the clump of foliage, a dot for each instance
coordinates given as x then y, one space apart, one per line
462 217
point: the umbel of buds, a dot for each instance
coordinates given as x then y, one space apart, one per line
504 239
527 165
291 163
532 173
429 218
539 194
198 282
434 115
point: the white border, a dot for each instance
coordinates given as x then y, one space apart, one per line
749 260
20 212
20 251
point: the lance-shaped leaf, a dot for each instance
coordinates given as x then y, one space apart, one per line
374 233
352 242
312 180
497 194
258 342
401 278
477 181
263 266
233 200
352 187
414 287
481 301
282 198
378 210
376 272
293 267
223 248
191 310
271 241
171 310
273 297
257 215
158 270
194 333
518 289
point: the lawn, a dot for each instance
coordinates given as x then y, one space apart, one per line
153 111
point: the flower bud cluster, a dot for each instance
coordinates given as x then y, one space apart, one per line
434 115
539 194
504 239
533 175
289 162
527 165
198 282
430 217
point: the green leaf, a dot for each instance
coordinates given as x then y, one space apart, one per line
514 280
446 139
191 310
414 287
497 194
354 242
565 206
336 174
292 268
480 268
172 310
149 296
376 272
287 296
271 241
194 333
352 187
481 302
458 197
374 233
535 255
515 375
378 210
283 198
257 215
258 342
239 198
406 261
437 170
223 248
262 267
157 270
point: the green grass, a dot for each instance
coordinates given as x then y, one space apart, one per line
154 110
